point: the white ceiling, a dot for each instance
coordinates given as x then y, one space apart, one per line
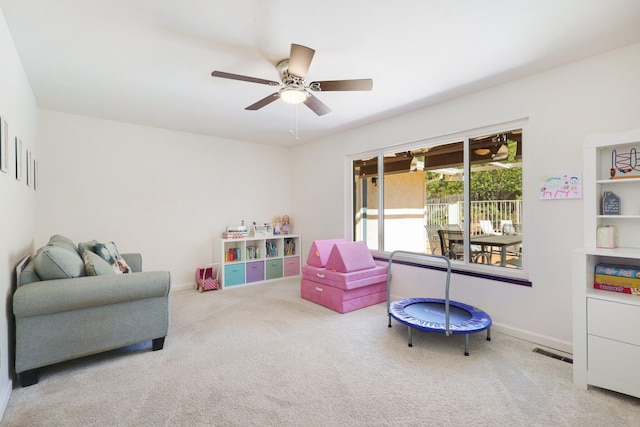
150 61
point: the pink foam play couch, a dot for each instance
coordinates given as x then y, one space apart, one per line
320 251
346 281
349 278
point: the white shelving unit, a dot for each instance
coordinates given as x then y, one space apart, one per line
256 259
606 325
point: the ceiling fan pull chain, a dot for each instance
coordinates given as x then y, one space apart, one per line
291 122
296 107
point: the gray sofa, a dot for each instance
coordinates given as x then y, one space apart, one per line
70 303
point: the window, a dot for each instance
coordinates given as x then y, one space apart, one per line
461 199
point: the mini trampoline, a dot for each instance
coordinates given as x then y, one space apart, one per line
436 315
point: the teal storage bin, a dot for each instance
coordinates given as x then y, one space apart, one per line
234 274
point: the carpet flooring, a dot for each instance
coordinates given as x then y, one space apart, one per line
262 356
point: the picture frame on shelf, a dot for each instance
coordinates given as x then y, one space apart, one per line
19 159
610 203
4 145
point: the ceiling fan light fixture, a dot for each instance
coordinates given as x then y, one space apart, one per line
482 151
293 96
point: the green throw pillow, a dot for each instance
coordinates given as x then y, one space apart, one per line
96 266
87 246
109 253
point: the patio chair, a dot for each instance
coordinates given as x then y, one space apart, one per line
487 227
506 225
434 238
452 246
451 243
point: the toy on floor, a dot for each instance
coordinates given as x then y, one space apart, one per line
207 277
436 315
342 276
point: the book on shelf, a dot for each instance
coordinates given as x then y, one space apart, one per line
272 250
619 289
235 234
627 282
618 270
253 252
289 247
617 278
233 254
237 229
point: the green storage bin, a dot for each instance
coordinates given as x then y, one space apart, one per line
273 268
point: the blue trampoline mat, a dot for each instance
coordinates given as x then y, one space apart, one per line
428 314
434 312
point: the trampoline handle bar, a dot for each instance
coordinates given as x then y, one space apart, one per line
425 256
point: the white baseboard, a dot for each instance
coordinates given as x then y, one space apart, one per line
4 398
182 287
543 340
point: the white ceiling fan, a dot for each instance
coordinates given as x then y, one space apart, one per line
293 85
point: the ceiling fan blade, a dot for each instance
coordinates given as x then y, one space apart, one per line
300 60
335 85
264 101
244 78
316 105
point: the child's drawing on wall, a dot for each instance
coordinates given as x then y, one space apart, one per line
566 186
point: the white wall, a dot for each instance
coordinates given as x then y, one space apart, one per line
600 94
17 201
169 194
162 193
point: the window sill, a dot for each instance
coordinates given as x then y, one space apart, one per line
458 270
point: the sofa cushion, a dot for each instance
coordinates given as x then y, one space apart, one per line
57 262
94 265
58 240
87 246
109 252
28 275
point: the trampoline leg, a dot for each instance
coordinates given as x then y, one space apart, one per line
466 344
488 334
410 337
389 320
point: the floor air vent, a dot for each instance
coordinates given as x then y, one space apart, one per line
550 354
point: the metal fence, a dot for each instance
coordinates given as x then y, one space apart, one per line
496 211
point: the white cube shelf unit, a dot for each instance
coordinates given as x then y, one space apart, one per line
606 332
256 259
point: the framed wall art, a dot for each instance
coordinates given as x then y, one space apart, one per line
29 168
4 145
19 159
35 174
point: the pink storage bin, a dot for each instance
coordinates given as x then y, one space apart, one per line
291 266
